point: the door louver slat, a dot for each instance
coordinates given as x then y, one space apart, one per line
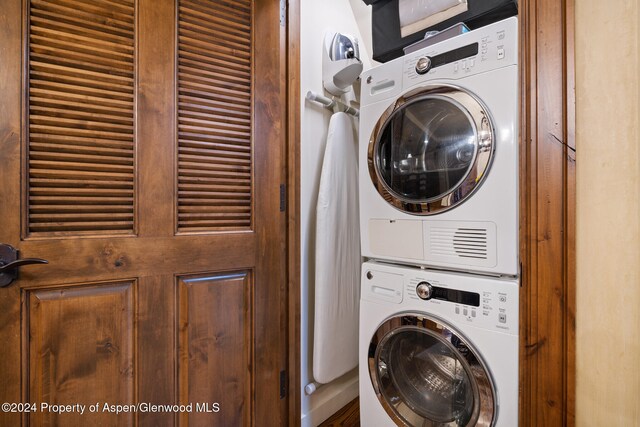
215 148
81 152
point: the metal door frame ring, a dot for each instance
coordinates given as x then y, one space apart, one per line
481 119
473 364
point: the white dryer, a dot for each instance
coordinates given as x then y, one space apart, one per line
438 152
437 349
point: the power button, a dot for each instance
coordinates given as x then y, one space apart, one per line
423 65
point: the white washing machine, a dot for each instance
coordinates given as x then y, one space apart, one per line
438 152
437 349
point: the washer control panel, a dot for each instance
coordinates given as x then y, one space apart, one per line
456 296
486 302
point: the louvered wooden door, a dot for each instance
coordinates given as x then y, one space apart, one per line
142 154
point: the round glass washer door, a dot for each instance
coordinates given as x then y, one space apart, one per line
425 374
431 149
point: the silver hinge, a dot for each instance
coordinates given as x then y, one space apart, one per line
283 13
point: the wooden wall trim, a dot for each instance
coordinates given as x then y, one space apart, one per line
570 216
293 209
547 209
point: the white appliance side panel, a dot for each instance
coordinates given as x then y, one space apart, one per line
399 238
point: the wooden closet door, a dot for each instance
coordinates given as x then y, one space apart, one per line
142 155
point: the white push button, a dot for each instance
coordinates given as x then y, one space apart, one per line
503 298
500 53
502 318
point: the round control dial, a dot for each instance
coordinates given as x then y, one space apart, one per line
424 290
423 65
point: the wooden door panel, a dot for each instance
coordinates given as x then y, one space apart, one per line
155 121
81 349
215 347
80 158
73 260
214 116
142 155
157 350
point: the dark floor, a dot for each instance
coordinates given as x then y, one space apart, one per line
349 416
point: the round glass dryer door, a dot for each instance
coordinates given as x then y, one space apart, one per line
425 374
431 149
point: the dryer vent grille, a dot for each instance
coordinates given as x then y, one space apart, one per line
461 242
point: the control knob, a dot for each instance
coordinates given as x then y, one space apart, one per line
423 65
424 290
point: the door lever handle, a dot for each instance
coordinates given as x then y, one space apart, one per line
9 264
20 263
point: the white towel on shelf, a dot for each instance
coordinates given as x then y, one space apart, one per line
338 259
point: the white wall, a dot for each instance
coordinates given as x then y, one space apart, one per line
608 213
315 17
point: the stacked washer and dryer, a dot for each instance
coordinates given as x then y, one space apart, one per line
438 157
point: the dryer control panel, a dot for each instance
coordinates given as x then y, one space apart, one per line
484 49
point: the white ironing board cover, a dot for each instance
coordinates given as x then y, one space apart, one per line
338 259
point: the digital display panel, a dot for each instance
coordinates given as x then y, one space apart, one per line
454 55
453 295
